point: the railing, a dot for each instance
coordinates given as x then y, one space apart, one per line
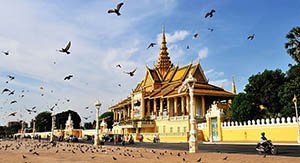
202 125
185 117
259 122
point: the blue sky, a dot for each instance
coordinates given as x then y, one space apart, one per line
33 30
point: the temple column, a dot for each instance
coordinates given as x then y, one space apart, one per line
161 106
154 107
143 106
203 105
182 106
175 106
187 105
148 107
194 106
124 113
168 106
128 112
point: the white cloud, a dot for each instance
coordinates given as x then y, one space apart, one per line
203 53
211 73
175 37
99 42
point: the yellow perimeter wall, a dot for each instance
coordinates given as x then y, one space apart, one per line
276 133
251 133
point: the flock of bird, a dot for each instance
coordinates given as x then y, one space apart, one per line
31 149
66 50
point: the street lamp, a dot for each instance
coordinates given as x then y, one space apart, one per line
96 139
33 128
53 126
22 129
297 118
189 84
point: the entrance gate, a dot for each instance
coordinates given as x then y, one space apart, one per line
214 129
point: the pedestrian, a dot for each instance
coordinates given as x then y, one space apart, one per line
141 138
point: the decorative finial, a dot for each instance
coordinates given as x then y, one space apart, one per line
233 89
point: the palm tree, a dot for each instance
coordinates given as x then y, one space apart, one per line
293 45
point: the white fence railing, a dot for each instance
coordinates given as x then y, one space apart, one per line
261 122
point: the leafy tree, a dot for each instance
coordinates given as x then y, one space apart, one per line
287 91
61 119
243 109
108 118
43 122
13 129
293 72
88 125
2 131
263 89
293 44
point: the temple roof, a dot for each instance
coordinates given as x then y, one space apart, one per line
124 102
164 79
163 62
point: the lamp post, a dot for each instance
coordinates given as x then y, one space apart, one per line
22 129
33 128
96 139
189 84
297 117
53 126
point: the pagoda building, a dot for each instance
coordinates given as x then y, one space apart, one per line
156 107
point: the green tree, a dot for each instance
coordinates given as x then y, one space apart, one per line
43 122
62 117
88 125
293 44
108 118
243 109
287 91
263 90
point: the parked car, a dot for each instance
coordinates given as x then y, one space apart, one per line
108 138
71 138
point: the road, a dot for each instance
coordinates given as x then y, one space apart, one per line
283 150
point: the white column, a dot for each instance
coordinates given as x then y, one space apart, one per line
193 143
96 139
189 84
53 126
33 128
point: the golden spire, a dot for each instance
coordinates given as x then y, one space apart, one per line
233 90
163 63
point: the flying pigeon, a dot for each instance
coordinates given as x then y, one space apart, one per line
65 50
210 14
14 101
151 45
5 52
11 93
131 73
196 35
118 65
68 77
251 37
5 90
12 114
11 77
116 10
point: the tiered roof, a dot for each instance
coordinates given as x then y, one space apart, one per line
164 79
